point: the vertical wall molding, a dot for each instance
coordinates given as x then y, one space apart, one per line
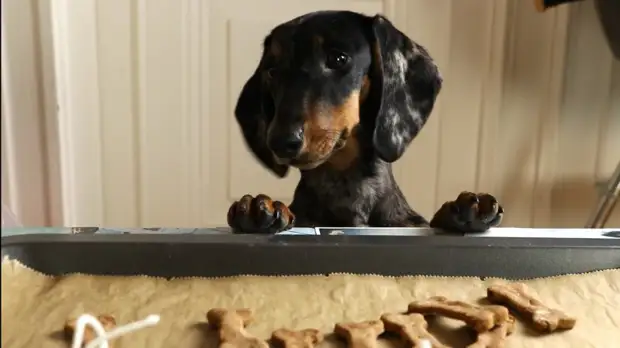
491 103
47 85
546 166
169 40
527 121
24 137
206 205
192 112
119 159
587 94
76 67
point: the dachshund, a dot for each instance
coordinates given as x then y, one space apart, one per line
340 95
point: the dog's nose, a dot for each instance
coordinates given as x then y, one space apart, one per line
287 145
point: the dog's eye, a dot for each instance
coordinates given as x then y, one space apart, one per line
271 73
337 60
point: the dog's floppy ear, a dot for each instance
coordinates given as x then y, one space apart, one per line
404 85
254 110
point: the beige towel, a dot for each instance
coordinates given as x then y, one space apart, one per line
35 307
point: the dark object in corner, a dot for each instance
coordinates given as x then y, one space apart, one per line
543 5
608 12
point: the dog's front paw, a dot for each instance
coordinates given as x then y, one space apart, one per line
470 212
259 214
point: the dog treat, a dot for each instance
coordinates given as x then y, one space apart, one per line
496 337
360 335
518 297
480 318
306 338
412 328
107 321
231 325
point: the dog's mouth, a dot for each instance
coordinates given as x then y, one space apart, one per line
303 164
307 161
312 160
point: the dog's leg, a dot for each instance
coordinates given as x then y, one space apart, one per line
469 213
259 214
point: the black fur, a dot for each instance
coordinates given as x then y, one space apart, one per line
340 96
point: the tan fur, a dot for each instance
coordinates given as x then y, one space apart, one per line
365 88
345 157
323 126
318 41
275 49
377 58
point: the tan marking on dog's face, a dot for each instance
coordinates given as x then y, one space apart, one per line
365 88
323 129
318 40
275 49
343 158
377 58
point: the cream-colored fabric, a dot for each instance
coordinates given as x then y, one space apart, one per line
35 306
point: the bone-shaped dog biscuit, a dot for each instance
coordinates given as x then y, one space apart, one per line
412 328
496 337
360 335
518 297
231 326
479 318
107 321
306 338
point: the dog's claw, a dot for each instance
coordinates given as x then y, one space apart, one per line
259 214
469 213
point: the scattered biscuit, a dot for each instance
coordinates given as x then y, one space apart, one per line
231 326
412 328
518 297
306 338
496 337
480 318
107 321
360 335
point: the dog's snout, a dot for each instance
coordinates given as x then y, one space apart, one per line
287 144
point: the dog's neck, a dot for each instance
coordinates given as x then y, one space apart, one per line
345 158
351 164
356 159
344 196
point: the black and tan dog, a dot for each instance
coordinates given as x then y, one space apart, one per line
340 95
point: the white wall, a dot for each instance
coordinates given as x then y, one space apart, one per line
587 140
146 87
30 162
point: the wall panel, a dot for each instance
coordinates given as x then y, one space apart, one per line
529 111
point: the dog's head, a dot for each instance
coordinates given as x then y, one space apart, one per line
330 79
